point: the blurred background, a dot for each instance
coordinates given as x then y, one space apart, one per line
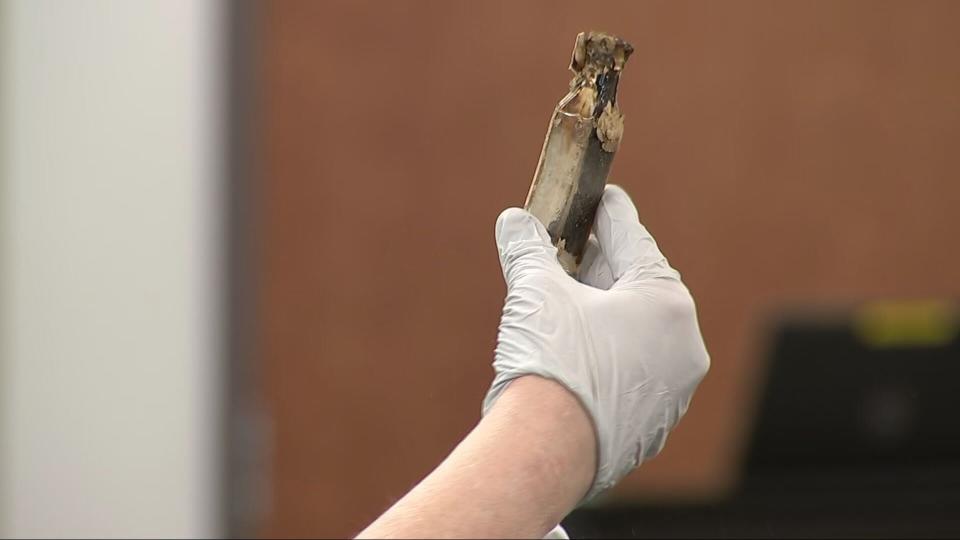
248 285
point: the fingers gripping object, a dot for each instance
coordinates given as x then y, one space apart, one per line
623 336
624 341
582 139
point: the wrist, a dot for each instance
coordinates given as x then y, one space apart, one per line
554 438
523 468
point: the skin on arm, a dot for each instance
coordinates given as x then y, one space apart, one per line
521 470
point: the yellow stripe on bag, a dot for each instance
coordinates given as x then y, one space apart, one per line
925 323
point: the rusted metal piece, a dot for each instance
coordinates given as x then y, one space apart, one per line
582 139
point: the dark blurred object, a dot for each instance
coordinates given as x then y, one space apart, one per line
874 392
856 435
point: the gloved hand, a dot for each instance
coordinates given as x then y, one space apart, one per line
624 339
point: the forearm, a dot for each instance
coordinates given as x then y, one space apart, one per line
517 474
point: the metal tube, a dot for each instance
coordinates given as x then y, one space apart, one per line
581 141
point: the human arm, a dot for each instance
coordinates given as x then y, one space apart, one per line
516 475
623 342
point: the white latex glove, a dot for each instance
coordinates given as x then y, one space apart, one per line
557 533
624 339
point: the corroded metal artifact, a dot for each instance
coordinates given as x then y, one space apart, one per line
581 141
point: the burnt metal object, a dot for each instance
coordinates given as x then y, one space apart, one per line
582 139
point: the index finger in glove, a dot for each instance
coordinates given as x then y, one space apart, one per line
629 248
524 246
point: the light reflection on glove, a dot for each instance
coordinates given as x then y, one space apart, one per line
624 339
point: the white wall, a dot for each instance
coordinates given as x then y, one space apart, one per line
108 265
